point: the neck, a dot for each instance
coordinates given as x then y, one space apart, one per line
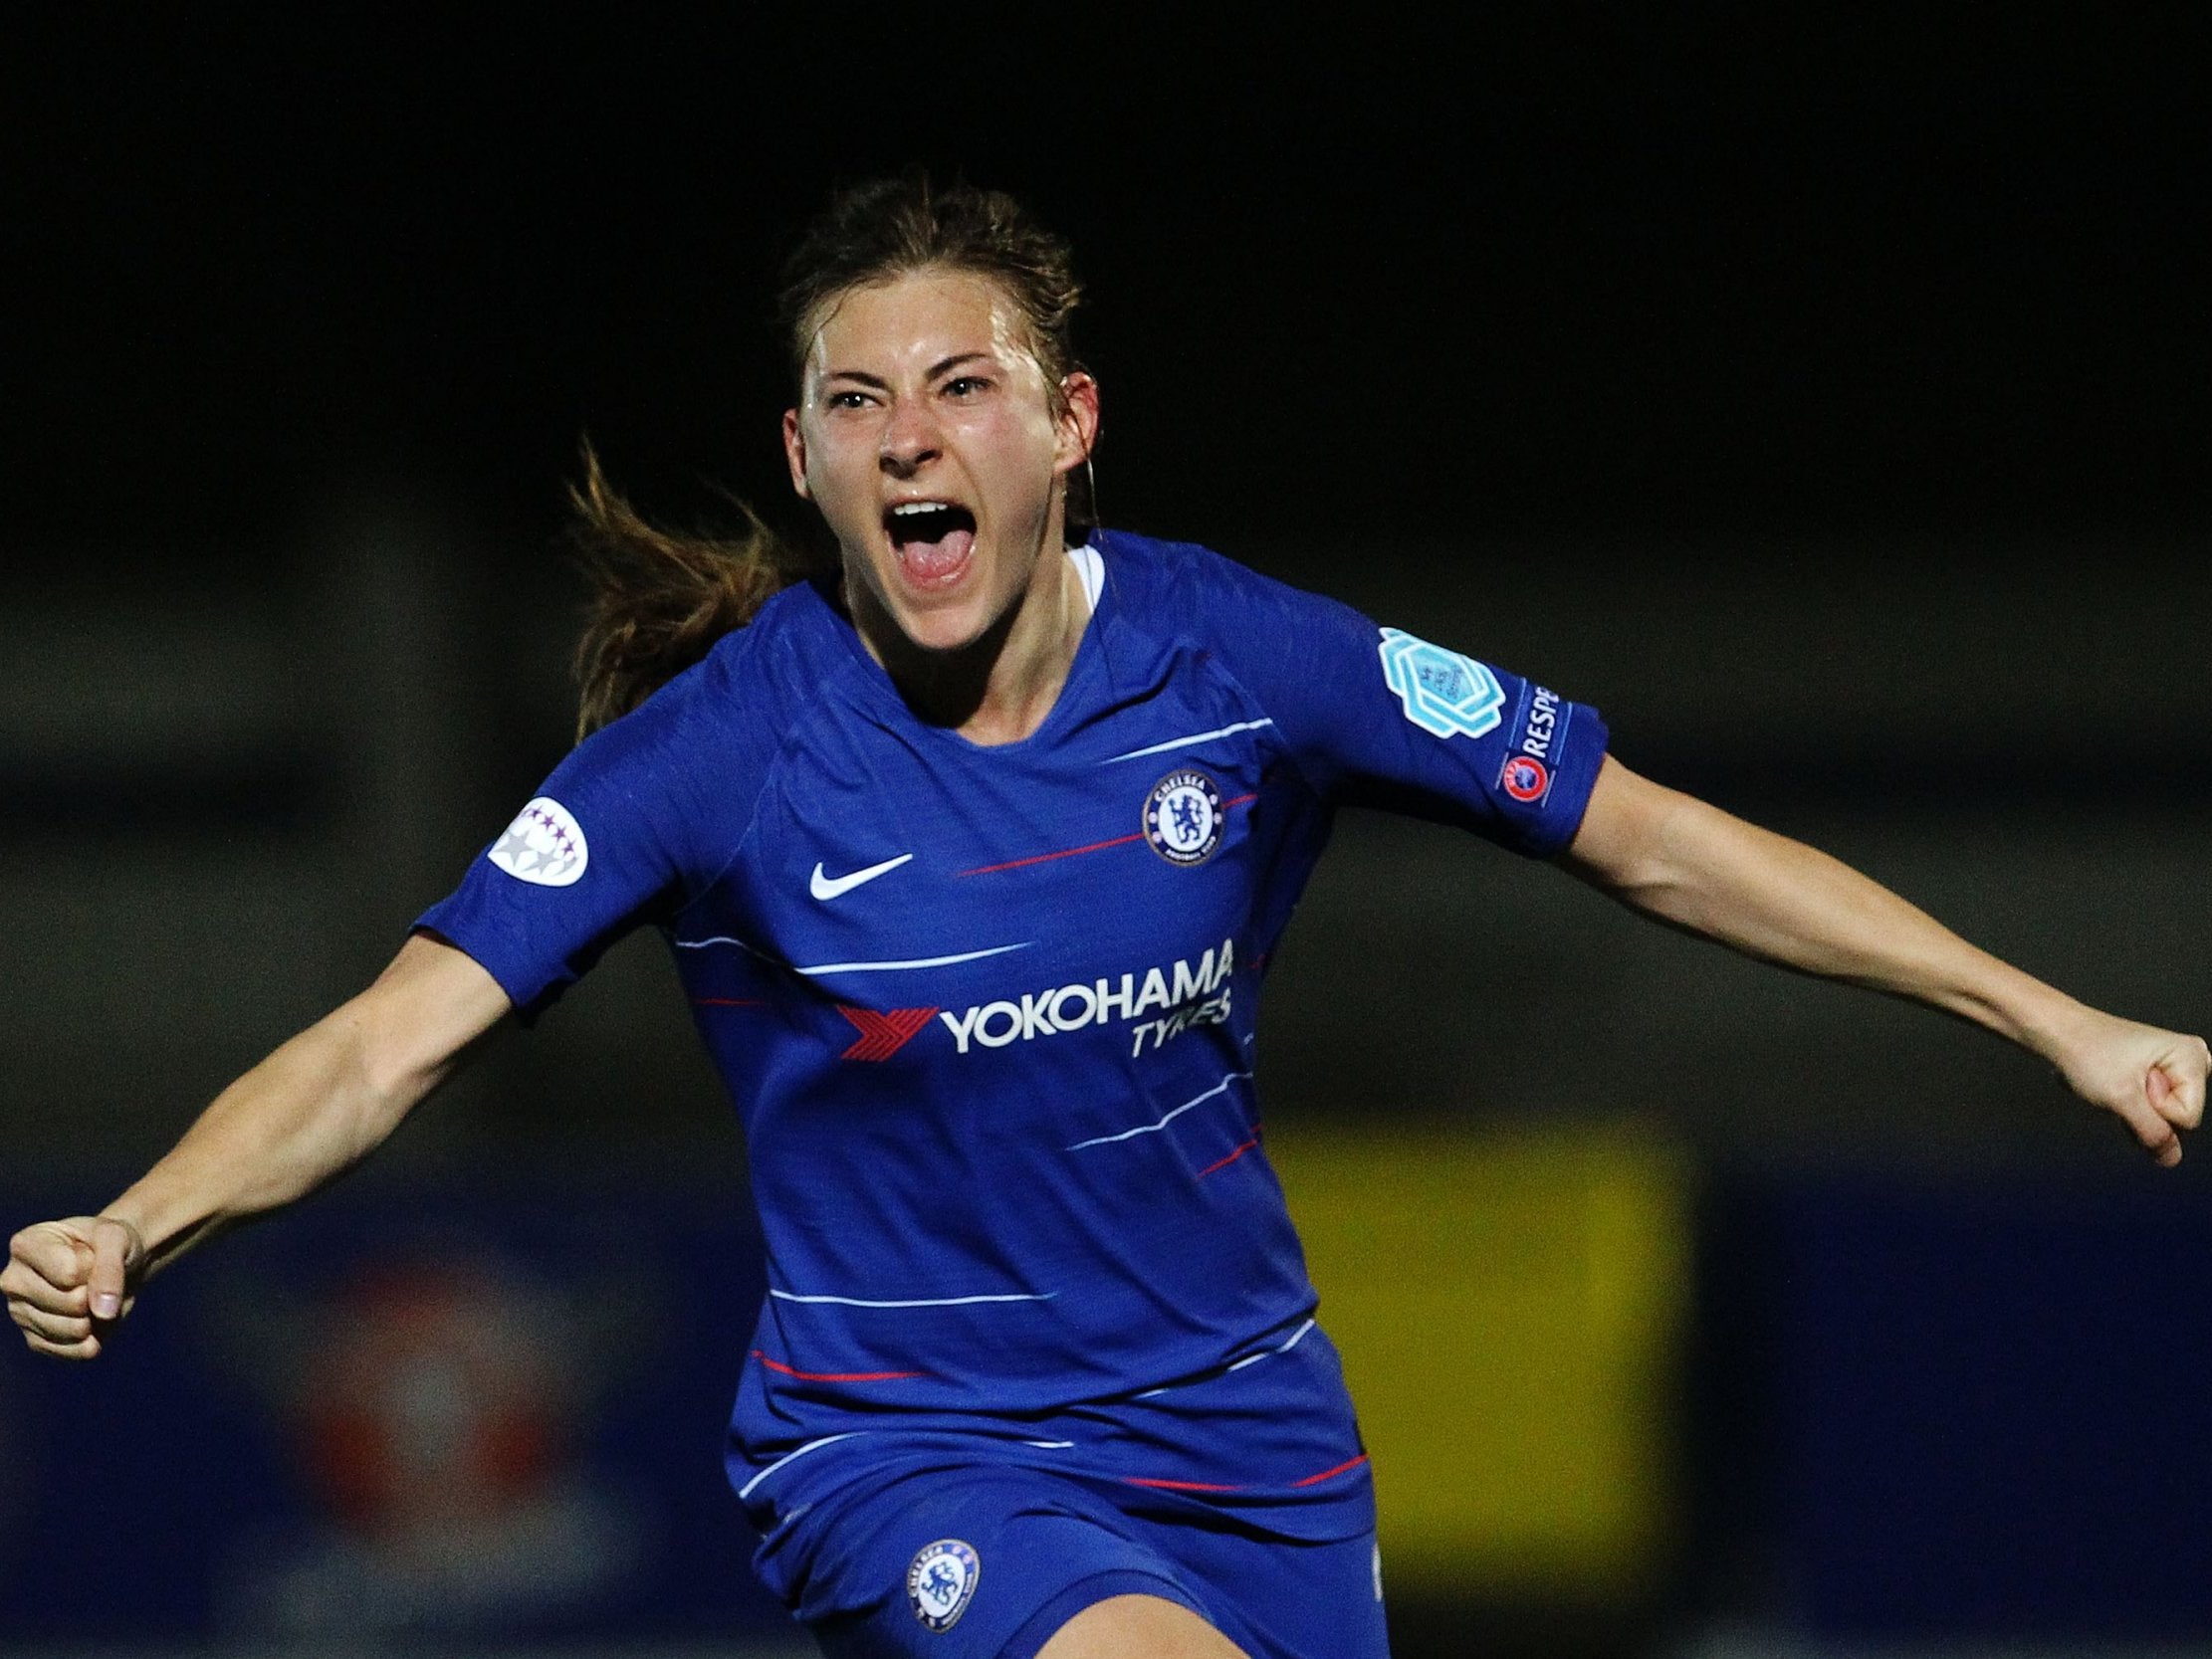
998 687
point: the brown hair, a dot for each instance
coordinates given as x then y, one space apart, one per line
885 229
661 600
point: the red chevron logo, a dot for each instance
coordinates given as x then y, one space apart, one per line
883 1035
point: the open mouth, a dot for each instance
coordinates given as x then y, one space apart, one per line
932 539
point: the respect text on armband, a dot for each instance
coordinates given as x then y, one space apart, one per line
1157 1004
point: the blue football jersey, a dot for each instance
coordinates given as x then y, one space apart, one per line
987 1013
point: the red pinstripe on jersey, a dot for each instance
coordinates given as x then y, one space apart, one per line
1215 1486
779 1366
1071 852
1224 1162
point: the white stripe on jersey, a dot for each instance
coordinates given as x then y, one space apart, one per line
918 1302
723 938
920 961
1153 1128
1194 737
1296 1337
857 967
746 1491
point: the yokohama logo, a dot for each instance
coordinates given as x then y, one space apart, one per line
1193 995
883 1035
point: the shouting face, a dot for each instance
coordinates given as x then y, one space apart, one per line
936 449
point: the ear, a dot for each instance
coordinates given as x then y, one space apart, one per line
794 454
1078 422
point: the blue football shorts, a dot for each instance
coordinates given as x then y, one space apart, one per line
989 1563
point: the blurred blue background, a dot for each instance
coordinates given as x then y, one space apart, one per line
1820 396
449 1411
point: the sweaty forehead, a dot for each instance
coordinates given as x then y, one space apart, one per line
914 322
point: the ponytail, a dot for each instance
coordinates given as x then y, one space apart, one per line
659 600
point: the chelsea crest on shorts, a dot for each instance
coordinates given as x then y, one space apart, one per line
942 1581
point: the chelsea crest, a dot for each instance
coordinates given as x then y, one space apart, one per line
942 1581
1183 817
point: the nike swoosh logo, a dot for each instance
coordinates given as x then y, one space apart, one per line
829 887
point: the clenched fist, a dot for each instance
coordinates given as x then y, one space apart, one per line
2154 1080
68 1282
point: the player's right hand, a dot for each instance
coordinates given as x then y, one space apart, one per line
69 1283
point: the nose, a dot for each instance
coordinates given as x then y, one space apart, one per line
910 439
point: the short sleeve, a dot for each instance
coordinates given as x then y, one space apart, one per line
613 837
1376 717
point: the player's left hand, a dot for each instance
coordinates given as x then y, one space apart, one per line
2152 1080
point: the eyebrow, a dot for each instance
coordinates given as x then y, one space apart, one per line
935 370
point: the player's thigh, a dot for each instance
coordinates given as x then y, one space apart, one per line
1138 1627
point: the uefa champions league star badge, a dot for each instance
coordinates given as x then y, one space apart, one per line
942 1581
544 846
1182 819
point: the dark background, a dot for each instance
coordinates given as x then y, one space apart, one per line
1821 394
1630 271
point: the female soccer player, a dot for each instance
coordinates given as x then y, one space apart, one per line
972 857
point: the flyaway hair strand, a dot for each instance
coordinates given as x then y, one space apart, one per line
659 598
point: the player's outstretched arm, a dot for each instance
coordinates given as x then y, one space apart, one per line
1682 861
315 1106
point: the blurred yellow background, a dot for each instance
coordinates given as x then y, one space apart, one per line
1509 1305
